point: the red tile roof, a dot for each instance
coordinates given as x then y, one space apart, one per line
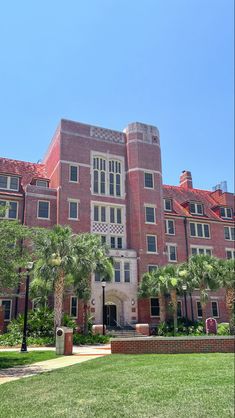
180 195
27 171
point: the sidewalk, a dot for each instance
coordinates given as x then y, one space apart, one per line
81 354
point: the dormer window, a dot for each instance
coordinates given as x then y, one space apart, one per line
168 205
9 182
196 208
226 213
42 183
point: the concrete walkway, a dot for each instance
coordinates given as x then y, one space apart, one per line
81 354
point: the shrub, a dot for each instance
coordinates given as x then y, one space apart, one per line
12 340
80 339
40 324
223 329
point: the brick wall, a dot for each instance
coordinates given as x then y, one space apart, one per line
172 345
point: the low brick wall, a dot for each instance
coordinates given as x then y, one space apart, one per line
172 345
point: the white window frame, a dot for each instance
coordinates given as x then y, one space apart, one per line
70 307
217 304
169 244
49 209
232 250
73 201
201 247
226 212
154 316
43 181
108 157
77 166
198 301
7 300
6 215
169 200
196 204
230 233
148 205
151 252
167 226
152 173
155 267
203 231
9 182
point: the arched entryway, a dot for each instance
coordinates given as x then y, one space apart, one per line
110 315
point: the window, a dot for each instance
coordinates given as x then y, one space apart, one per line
148 180
154 305
74 306
226 213
7 309
199 230
103 239
152 267
97 277
127 272
10 209
117 272
169 227
107 176
9 182
199 309
196 208
73 209
151 244
41 183
214 308
115 215
201 250
167 205
150 214
230 253
73 173
116 242
179 309
172 252
43 209
229 233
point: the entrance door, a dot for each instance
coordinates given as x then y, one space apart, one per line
110 315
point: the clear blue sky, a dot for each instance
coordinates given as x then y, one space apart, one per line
110 62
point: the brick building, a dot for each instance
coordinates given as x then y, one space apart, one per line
110 183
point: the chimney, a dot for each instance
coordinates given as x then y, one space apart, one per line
186 180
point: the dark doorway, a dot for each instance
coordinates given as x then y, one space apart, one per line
110 312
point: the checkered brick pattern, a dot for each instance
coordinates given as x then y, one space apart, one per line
116 229
107 135
100 227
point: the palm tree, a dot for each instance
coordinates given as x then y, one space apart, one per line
56 260
92 257
172 283
202 275
152 285
225 275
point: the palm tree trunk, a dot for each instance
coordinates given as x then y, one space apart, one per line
229 298
174 305
85 318
203 305
162 306
58 300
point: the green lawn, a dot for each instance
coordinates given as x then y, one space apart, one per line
140 386
15 358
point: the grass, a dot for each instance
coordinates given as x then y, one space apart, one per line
131 386
14 358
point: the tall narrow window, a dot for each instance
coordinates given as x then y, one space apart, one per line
127 272
148 180
43 209
117 272
149 214
73 175
199 309
7 309
151 244
169 227
154 306
73 210
214 308
74 307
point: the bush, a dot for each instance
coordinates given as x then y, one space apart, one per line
80 339
40 324
223 329
11 340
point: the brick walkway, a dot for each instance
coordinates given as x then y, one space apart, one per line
80 355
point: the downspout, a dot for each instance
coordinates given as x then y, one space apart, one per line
187 257
20 269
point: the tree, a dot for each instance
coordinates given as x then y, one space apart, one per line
202 275
172 283
93 258
225 275
152 285
12 255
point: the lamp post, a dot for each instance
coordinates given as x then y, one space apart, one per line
103 294
24 339
184 287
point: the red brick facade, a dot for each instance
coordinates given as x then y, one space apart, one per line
121 173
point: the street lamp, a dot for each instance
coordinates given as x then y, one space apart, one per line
103 293
24 339
184 287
